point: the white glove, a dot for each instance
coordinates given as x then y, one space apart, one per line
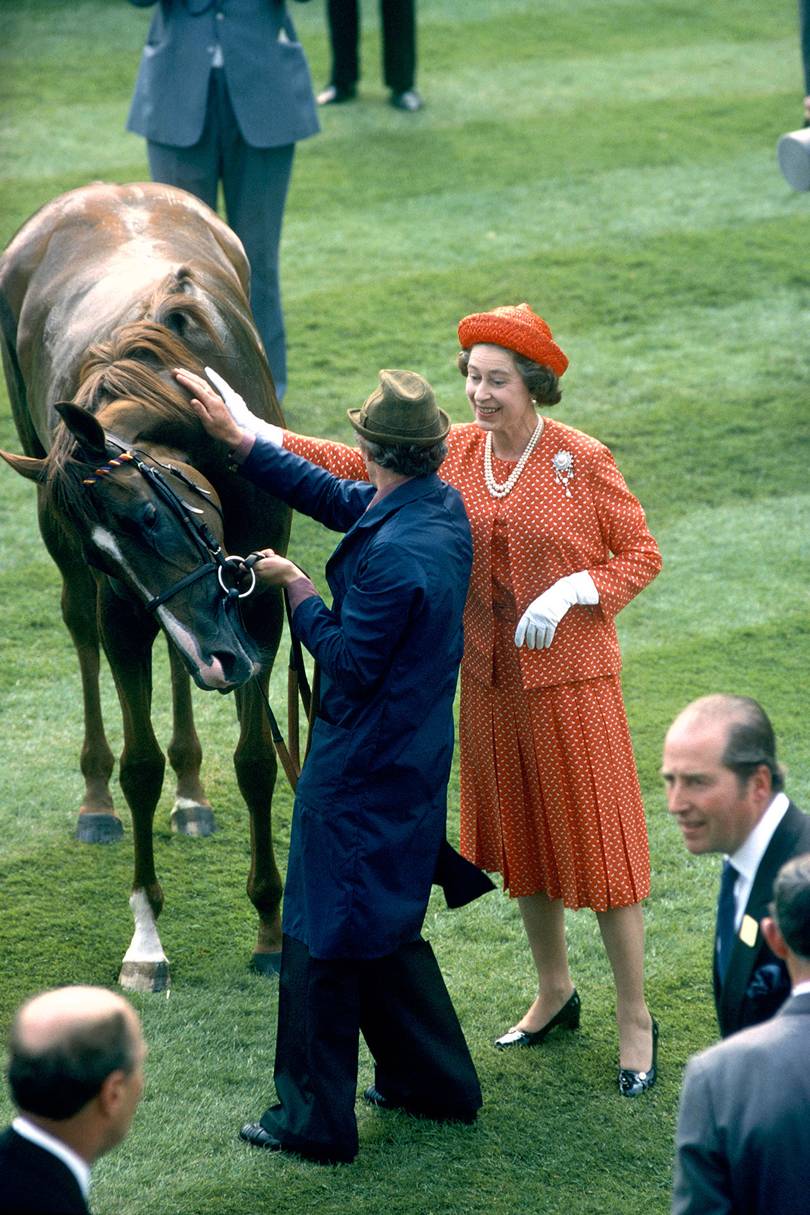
241 414
538 624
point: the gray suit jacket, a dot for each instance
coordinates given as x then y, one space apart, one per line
743 1139
757 982
265 68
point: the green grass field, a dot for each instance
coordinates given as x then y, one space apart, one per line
613 164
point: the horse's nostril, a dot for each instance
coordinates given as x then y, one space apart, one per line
236 667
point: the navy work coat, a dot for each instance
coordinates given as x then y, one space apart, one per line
371 804
264 64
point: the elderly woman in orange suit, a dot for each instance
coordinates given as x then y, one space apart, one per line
549 791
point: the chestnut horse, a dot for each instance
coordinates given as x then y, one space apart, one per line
102 292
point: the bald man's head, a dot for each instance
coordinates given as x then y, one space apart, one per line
65 1043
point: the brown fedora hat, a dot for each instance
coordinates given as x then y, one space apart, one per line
402 412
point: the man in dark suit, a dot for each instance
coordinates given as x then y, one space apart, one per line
76 1076
743 1135
368 827
724 787
224 93
398 37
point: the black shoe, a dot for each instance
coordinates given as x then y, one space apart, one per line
633 1084
567 1018
410 100
373 1096
255 1134
333 94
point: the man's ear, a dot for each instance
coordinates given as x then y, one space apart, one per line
772 934
110 1094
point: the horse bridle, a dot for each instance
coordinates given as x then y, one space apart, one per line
227 568
215 560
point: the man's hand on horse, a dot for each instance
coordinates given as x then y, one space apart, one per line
210 408
235 405
273 569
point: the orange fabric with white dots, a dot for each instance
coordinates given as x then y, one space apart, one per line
549 791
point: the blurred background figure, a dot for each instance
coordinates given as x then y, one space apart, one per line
75 1072
743 1131
398 37
804 35
224 94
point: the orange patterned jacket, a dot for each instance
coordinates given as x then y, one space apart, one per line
554 526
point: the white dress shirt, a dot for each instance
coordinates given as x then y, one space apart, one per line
746 860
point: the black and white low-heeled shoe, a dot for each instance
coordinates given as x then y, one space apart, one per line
566 1018
632 1083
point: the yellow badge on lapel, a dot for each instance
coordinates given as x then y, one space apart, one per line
748 931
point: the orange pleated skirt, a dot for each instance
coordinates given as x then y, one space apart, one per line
550 796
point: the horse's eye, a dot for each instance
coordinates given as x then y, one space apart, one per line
150 516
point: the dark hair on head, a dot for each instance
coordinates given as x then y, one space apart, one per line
750 742
791 904
543 384
58 1081
407 461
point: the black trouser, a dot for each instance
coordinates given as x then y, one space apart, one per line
401 1006
398 33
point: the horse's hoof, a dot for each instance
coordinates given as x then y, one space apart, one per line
99 828
266 963
191 818
145 976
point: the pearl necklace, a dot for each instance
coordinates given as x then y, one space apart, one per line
499 489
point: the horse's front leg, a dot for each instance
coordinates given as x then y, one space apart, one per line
255 763
98 823
128 633
191 813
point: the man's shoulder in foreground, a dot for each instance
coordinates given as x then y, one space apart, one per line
34 1182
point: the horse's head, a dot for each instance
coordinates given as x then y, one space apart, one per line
154 526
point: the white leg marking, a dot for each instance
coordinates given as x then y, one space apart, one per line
145 945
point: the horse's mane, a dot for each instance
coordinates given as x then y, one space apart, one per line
131 367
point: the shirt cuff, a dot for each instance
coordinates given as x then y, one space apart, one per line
298 591
243 448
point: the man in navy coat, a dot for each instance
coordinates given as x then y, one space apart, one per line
224 93
370 808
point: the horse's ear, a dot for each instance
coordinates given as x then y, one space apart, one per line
26 466
85 428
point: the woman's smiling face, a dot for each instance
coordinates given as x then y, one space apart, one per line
500 400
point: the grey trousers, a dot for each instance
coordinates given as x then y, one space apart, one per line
255 182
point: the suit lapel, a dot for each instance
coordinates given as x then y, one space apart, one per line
749 943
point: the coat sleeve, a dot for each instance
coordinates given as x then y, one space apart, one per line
635 559
357 650
702 1184
334 502
336 458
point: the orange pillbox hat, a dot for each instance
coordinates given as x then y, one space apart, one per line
515 327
